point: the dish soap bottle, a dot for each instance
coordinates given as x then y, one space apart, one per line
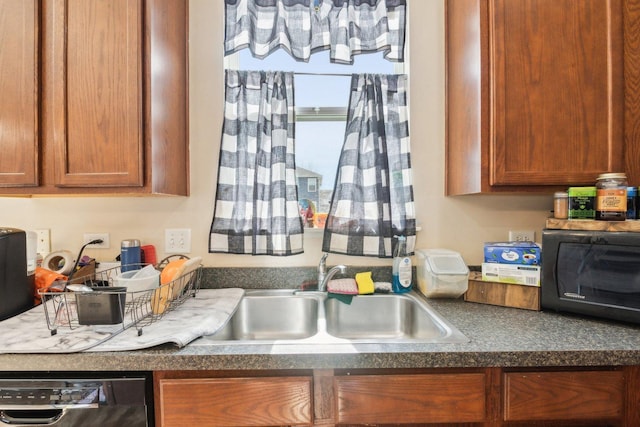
402 271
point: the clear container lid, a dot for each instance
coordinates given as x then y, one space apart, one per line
444 261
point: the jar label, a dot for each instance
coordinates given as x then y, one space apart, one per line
611 200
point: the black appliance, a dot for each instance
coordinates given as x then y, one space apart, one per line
595 273
16 287
77 399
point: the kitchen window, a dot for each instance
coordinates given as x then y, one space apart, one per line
321 99
282 115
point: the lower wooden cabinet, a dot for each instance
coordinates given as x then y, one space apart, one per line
605 396
425 398
581 395
234 401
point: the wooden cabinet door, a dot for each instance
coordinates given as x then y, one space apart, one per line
558 88
264 401
580 395
535 93
96 57
19 89
94 97
427 398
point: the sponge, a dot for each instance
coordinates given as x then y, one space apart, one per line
365 283
342 286
382 287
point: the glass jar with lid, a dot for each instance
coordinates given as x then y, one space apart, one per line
561 205
611 197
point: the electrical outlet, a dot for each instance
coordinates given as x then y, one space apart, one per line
93 236
177 240
43 245
522 236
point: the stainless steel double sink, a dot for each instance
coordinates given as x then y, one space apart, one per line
290 316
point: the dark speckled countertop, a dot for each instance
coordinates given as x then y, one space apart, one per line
499 336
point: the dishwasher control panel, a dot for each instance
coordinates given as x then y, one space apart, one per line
54 393
124 399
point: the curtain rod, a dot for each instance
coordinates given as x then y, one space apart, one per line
301 73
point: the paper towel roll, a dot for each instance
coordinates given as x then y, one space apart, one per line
60 261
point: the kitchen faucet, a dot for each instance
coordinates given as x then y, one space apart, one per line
324 276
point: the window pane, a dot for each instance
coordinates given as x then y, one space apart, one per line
322 91
318 146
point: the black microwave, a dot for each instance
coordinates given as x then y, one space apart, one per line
595 273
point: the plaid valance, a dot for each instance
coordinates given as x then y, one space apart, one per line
302 27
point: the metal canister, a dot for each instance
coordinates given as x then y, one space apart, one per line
582 202
611 197
130 255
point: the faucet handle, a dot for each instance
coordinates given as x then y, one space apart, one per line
322 265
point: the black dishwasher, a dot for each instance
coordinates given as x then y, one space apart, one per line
76 399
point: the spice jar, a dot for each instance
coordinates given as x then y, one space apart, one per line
611 197
561 205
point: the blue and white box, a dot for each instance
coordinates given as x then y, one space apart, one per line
521 253
528 275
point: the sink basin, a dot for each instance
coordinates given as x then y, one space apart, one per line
296 317
272 317
388 317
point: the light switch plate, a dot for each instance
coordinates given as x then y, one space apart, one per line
177 240
43 245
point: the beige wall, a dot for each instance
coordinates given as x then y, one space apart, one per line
458 223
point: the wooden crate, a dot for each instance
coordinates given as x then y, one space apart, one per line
503 294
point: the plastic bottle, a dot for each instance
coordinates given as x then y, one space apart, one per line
402 271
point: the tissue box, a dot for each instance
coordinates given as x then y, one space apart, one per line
522 253
509 273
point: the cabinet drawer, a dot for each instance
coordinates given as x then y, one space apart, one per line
236 401
410 398
563 395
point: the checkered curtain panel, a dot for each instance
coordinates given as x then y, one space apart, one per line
373 197
302 27
256 210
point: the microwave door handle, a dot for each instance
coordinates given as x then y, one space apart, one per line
32 419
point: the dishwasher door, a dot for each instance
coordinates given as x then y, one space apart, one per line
73 402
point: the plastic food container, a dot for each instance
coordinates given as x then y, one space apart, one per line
138 280
442 273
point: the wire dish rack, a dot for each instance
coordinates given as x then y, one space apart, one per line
112 306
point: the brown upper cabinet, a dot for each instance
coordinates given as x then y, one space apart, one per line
96 97
536 94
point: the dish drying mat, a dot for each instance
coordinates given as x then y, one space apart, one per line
202 315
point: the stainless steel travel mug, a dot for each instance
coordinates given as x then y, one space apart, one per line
130 258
